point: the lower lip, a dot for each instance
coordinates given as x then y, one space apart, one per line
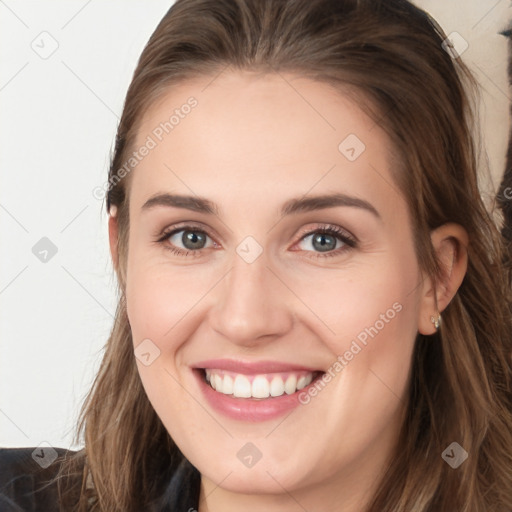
249 409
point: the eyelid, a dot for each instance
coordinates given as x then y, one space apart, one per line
304 231
338 232
184 226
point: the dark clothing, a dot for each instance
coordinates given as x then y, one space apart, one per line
24 483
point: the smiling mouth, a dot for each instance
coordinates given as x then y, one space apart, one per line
258 386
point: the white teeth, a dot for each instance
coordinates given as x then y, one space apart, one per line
301 382
242 387
304 381
227 386
277 386
217 379
290 386
262 386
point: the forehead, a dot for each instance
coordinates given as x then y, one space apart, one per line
240 135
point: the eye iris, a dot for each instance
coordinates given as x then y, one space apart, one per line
323 244
193 240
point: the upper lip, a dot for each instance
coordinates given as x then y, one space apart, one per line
252 367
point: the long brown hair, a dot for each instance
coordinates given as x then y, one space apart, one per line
390 55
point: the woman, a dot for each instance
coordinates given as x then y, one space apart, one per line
314 312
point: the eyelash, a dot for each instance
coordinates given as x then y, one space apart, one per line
338 233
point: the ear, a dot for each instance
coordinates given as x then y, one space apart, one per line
113 235
450 242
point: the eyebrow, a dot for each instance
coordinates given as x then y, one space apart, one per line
193 203
290 207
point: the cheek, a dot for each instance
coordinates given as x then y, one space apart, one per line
159 297
369 323
161 307
371 302
155 304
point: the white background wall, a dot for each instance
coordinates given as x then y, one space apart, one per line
59 116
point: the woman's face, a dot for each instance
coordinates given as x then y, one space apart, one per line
270 249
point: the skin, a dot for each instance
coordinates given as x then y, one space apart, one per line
252 143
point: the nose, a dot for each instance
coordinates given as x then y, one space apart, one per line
252 305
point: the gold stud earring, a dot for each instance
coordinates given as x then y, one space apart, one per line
436 321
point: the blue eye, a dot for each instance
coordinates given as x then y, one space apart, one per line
326 241
193 240
329 241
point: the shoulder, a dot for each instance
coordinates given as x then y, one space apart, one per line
26 478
